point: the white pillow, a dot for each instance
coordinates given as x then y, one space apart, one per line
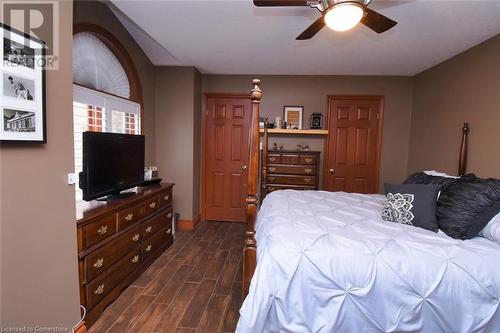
492 230
439 174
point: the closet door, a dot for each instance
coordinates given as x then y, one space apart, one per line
227 122
352 163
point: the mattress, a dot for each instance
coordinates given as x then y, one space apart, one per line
327 262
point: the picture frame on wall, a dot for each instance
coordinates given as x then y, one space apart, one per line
293 116
317 121
22 88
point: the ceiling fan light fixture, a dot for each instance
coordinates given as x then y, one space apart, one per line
344 16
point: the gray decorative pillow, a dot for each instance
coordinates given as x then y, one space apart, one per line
467 205
412 204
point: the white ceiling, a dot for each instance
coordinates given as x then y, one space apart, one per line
234 37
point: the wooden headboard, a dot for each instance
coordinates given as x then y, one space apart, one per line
256 190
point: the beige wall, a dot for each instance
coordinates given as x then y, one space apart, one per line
177 134
98 13
311 92
464 88
39 272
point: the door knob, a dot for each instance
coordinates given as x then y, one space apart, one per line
332 171
244 167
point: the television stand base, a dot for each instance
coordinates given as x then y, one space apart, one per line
114 197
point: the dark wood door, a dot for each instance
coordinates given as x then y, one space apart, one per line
352 163
227 121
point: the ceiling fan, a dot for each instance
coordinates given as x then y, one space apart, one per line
338 15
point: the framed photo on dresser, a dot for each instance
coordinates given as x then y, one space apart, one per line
22 87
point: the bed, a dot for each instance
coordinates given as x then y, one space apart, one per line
326 262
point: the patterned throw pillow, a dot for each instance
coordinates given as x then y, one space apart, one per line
412 204
398 207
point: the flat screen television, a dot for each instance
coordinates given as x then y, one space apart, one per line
111 163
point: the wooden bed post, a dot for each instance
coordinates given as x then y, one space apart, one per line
252 200
462 164
265 144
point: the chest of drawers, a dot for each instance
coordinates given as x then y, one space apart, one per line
117 241
297 170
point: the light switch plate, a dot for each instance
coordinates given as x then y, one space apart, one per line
72 178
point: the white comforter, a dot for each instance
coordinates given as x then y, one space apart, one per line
326 262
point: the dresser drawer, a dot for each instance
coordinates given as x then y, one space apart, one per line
289 159
149 207
292 180
98 230
292 169
99 260
128 216
273 159
164 219
103 284
159 240
165 198
272 188
308 159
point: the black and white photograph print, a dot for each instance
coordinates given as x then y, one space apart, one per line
18 54
18 87
22 90
18 121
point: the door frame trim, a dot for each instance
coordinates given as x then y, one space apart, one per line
378 158
204 113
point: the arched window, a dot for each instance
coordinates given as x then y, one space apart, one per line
106 90
95 66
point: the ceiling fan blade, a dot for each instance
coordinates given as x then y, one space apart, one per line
278 3
377 22
313 29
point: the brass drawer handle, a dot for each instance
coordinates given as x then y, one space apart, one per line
99 289
135 238
308 160
166 197
99 262
272 178
272 159
135 259
169 231
307 170
129 217
148 229
152 205
102 230
272 169
307 180
148 248
169 215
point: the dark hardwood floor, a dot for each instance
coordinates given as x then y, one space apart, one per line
195 286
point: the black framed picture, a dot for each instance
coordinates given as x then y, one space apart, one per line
317 120
22 88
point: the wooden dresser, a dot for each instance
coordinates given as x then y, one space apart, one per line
289 169
117 241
